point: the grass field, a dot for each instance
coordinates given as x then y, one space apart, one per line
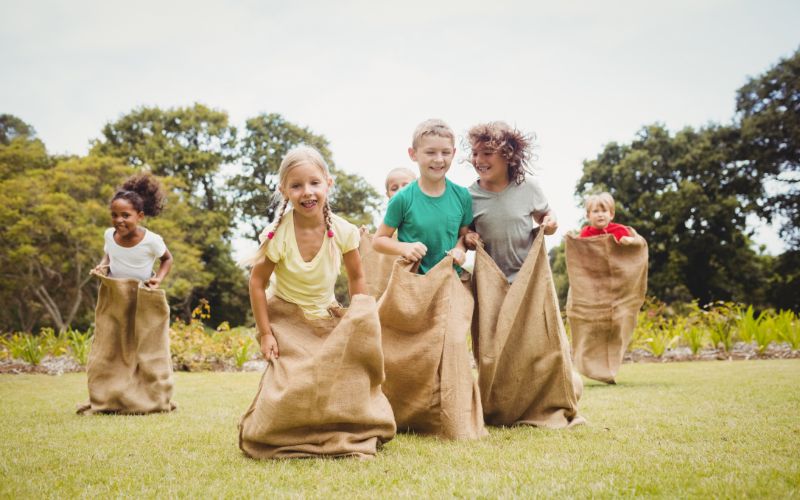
684 429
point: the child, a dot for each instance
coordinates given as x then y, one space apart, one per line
432 213
398 178
524 370
505 201
378 266
130 249
320 395
600 212
130 367
425 317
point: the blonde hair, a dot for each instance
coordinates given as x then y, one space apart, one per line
399 170
296 156
432 126
604 200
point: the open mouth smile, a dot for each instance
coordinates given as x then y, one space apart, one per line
308 203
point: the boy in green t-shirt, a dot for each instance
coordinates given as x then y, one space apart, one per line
432 214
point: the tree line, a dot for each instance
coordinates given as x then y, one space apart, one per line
55 208
694 195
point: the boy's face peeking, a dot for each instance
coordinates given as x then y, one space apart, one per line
396 182
433 154
490 165
599 216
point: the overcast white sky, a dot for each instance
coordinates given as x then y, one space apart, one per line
364 73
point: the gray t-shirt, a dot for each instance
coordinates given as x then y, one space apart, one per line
504 221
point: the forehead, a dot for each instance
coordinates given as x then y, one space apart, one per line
304 170
121 204
597 204
431 141
398 177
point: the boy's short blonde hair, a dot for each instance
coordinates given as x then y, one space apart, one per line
435 127
604 200
399 170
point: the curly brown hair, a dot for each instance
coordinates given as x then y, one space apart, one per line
510 142
144 192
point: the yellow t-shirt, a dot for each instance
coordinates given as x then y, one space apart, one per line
309 284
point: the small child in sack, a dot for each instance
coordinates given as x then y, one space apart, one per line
600 213
130 368
320 395
131 249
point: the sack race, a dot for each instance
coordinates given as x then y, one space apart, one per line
429 382
129 367
524 368
377 266
607 286
322 397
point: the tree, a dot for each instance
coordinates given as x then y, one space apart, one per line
267 139
768 113
12 127
20 150
688 197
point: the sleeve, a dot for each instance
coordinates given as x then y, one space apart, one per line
108 234
347 237
539 204
585 232
396 209
159 247
275 246
466 202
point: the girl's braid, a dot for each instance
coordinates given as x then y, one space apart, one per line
326 211
282 210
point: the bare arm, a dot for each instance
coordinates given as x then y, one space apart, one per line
384 243
547 221
163 270
259 279
101 267
355 273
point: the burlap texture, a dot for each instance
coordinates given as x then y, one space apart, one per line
608 282
377 266
429 382
524 368
322 397
129 367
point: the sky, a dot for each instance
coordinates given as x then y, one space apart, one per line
578 75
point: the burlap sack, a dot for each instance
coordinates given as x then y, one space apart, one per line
524 368
429 382
129 367
607 285
377 266
322 396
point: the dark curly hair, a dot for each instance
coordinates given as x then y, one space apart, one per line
510 142
144 192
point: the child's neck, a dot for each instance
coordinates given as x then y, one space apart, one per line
496 186
432 188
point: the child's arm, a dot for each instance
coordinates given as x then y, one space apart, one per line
384 243
259 279
471 240
163 270
100 268
355 273
547 221
459 252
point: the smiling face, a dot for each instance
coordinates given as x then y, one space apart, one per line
397 181
433 154
125 218
490 166
599 215
306 187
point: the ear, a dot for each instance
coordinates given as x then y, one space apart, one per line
330 182
412 154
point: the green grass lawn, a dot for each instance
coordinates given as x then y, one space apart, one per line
680 429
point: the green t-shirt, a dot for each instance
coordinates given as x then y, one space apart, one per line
433 221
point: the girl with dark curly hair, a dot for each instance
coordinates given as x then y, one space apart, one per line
130 249
506 198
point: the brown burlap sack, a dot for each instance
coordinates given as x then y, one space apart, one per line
429 382
377 266
524 368
130 367
607 285
322 396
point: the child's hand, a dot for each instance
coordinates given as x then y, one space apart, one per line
549 225
153 282
471 240
269 346
414 251
99 269
627 240
458 256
